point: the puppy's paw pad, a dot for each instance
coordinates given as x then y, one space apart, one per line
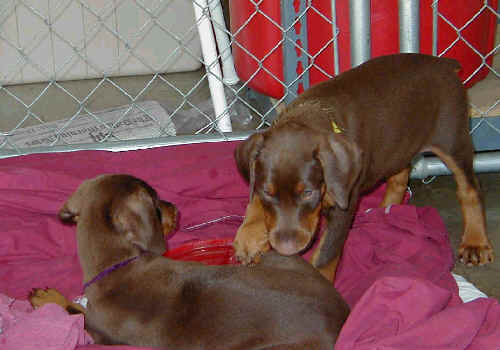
39 297
475 255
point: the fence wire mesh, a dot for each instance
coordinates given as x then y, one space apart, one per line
87 72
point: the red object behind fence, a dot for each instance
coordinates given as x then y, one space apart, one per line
258 35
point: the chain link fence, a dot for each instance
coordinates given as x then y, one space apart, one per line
128 74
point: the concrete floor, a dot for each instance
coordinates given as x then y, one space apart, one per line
440 194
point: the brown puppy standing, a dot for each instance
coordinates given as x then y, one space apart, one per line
153 301
343 136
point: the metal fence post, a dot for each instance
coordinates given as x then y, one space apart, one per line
359 23
295 40
409 25
335 30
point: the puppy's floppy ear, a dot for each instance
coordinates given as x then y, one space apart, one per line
168 213
245 155
136 218
341 163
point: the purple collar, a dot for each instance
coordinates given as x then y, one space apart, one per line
102 274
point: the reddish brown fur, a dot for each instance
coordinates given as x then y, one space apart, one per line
283 303
350 133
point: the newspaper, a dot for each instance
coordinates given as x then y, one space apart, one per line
138 121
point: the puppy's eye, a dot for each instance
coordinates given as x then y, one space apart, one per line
307 195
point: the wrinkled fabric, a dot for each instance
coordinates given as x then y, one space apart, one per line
402 240
395 274
395 269
49 327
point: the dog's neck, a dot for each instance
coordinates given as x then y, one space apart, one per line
109 270
94 259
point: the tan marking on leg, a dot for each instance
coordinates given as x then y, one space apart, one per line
396 188
328 271
315 254
39 297
475 248
252 238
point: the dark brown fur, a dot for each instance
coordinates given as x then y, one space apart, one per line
283 303
342 137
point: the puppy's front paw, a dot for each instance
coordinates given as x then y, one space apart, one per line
250 252
39 297
472 255
250 243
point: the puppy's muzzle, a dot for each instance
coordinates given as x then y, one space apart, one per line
289 242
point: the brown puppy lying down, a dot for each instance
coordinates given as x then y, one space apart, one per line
136 296
339 139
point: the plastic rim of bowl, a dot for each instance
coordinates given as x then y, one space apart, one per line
210 252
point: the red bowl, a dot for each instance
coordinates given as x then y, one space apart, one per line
210 252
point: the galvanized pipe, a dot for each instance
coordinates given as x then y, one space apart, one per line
487 162
435 27
359 24
336 64
409 25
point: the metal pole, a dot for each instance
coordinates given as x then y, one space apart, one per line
409 25
359 23
487 162
336 64
434 27
291 13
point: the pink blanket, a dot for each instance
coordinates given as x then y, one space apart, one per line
395 271
49 327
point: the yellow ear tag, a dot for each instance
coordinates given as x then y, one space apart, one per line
336 128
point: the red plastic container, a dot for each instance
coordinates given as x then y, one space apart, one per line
210 252
258 35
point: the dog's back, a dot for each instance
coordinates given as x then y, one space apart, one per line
394 104
181 305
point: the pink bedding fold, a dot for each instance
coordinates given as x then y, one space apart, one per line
395 270
49 327
395 274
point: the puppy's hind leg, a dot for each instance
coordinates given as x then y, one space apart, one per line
451 141
475 248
